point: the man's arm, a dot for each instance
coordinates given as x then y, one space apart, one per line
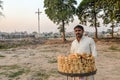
72 49
93 48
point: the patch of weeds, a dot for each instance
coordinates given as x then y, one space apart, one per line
10 67
46 56
3 73
114 48
41 75
115 56
17 73
105 50
49 50
54 72
2 46
7 46
1 56
52 60
27 71
13 71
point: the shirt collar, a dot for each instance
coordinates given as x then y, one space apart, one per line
81 38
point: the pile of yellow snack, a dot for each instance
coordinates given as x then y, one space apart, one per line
76 63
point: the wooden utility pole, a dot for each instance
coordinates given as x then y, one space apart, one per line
38 12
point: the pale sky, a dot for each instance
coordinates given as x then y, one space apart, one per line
20 16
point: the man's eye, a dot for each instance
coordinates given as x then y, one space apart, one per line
76 30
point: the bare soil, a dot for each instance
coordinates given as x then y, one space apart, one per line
39 61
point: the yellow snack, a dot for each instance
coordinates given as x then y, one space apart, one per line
76 63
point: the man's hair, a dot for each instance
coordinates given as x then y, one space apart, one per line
79 26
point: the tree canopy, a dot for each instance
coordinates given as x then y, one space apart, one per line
87 11
111 13
60 11
90 11
1 7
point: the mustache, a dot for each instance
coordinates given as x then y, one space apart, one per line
78 34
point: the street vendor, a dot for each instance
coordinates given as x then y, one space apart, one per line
83 44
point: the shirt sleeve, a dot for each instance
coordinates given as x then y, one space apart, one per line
72 49
93 48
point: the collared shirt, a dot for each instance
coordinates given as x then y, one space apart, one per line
85 45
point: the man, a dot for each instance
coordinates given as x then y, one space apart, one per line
83 44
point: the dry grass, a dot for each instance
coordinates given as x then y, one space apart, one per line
39 62
114 48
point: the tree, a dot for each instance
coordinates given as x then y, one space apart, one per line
87 11
60 12
1 7
61 30
111 14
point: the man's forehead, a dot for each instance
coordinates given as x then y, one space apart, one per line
78 29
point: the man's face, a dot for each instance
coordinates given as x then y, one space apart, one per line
78 32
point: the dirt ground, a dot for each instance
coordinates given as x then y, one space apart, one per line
39 62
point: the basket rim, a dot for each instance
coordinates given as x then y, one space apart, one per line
78 74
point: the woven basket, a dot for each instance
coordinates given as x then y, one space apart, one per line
76 63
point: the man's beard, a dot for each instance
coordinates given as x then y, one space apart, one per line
79 35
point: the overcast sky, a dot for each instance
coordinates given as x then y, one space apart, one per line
20 16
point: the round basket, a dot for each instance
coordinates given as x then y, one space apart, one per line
77 65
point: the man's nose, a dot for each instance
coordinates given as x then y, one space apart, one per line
77 31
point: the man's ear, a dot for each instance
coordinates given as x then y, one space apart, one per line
83 31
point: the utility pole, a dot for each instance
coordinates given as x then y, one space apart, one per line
38 12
